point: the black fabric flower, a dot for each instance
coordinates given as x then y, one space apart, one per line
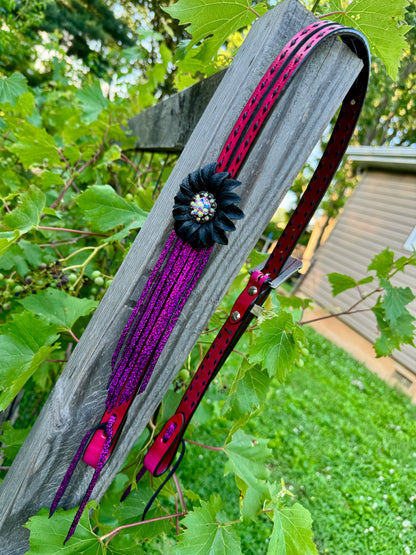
205 206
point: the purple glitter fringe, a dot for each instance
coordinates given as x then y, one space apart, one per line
141 343
143 296
158 321
153 318
69 472
137 340
100 464
173 320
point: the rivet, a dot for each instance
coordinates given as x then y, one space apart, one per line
252 290
235 316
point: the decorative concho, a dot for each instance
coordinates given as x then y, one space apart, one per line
205 207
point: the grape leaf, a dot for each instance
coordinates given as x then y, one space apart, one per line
205 535
24 344
395 301
276 344
11 88
214 19
382 263
248 391
340 283
391 337
12 439
105 209
34 146
403 261
7 239
58 307
292 532
92 102
380 22
47 535
28 213
246 458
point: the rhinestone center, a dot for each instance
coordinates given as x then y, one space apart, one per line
203 207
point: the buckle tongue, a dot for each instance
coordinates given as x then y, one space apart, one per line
291 266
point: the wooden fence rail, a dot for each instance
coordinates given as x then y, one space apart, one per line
76 403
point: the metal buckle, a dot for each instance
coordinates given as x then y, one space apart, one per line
290 267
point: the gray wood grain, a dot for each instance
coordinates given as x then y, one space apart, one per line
167 126
77 401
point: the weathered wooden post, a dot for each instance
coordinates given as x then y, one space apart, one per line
77 401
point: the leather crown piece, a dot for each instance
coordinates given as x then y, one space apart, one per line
204 209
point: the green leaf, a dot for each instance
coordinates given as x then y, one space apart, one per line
28 213
48 179
403 261
276 344
105 209
395 301
92 102
12 439
246 458
19 256
363 281
292 532
205 535
34 146
47 535
340 283
58 307
7 239
252 500
214 19
11 88
382 263
392 336
248 391
25 343
380 21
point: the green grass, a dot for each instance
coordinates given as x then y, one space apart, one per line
345 444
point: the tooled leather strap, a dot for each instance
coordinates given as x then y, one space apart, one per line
274 82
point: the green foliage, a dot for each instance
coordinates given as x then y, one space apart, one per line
382 263
292 532
248 391
381 22
11 88
92 102
7 239
340 437
48 535
214 21
57 307
12 439
105 210
276 346
35 146
28 214
205 534
394 321
26 341
340 283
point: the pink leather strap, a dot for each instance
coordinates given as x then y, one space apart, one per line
269 90
273 84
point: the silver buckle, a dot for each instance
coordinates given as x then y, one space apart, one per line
291 267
